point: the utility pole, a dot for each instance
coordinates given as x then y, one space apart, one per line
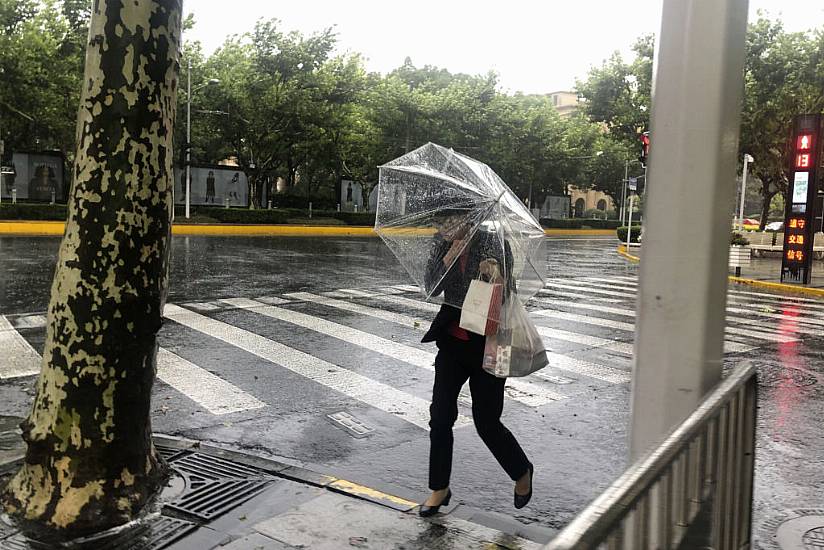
696 110
747 160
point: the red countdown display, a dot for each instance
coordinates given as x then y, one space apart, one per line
799 217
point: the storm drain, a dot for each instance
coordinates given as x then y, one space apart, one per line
212 467
169 453
352 425
801 529
217 497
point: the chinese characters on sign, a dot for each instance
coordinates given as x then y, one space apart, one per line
798 220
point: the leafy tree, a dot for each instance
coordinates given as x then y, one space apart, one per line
783 78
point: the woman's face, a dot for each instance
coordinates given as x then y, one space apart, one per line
452 227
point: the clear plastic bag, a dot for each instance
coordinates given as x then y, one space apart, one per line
516 349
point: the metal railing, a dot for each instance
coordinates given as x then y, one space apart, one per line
696 484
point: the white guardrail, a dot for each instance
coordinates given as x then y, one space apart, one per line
695 489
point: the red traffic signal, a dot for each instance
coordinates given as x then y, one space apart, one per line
644 148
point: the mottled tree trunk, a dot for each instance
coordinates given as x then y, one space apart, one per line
90 463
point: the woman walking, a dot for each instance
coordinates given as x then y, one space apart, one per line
460 356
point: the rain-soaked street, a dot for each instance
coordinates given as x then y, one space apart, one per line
267 338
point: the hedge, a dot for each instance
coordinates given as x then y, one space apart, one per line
201 214
579 223
622 233
39 212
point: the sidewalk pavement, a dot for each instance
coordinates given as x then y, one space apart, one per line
229 500
761 270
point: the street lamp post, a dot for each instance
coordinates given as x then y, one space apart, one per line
747 159
189 130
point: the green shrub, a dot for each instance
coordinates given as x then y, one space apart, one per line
578 223
594 213
41 212
738 239
622 233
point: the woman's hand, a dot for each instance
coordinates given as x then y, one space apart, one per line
453 252
489 270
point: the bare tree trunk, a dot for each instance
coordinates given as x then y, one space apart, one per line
766 199
90 463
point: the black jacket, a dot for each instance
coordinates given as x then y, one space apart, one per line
454 284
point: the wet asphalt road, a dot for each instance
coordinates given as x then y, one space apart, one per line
327 335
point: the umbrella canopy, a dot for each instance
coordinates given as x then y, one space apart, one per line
441 211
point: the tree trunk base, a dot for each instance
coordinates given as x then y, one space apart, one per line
50 504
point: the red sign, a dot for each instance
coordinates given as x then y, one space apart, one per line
802 160
805 142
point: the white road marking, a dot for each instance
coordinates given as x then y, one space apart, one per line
30 321
18 357
601 372
357 292
201 386
409 302
546 292
272 300
585 339
630 327
398 318
529 394
371 392
408 288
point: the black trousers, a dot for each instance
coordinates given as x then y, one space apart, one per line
456 363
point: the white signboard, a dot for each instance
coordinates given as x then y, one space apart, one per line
800 187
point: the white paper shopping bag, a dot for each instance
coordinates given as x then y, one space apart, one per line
482 307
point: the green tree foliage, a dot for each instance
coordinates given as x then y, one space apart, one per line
784 77
42 47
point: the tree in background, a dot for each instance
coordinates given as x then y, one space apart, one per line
783 77
42 47
90 464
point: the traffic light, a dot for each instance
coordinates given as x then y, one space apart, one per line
799 216
644 149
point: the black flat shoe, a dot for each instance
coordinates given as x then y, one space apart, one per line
523 500
427 511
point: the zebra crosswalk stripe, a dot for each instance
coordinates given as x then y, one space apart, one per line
585 339
562 362
525 392
19 358
213 393
371 392
397 318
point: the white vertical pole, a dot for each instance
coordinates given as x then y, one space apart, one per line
743 193
695 120
624 190
629 223
188 136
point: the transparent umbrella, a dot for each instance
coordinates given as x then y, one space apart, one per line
449 219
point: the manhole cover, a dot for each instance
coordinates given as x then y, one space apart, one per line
801 529
814 538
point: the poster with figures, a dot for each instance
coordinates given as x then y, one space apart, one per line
35 176
213 186
351 196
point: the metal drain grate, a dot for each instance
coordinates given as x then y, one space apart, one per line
155 535
351 424
169 453
17 542
212 467
814 538
217 497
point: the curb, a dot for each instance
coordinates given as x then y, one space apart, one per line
291 472
622 250
792 289
57 228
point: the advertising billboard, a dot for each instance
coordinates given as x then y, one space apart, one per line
35 176
213 186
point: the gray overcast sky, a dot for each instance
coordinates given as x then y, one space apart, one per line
535 46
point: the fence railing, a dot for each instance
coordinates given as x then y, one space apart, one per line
697 485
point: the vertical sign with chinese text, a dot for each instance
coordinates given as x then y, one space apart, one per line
800 211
